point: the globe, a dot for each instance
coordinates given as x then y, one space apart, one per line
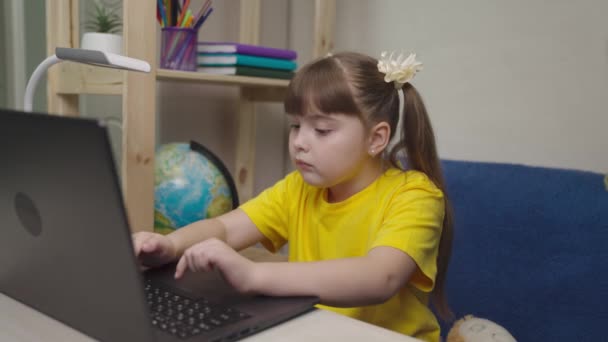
191 184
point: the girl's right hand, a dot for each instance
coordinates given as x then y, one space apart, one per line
153 249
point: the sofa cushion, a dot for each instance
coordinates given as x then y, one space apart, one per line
530 249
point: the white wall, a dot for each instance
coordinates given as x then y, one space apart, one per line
513 81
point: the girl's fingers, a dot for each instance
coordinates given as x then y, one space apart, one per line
191 262
203 260
194 259
138 241
149 245
207 265
145 243
181 267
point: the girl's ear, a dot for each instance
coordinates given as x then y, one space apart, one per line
378 138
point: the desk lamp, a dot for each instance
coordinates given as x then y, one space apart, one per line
93 57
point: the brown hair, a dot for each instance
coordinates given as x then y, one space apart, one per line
350 83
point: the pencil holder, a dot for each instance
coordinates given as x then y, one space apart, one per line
178 48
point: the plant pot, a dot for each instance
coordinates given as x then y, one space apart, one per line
107 42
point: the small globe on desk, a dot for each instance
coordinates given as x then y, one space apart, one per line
190 184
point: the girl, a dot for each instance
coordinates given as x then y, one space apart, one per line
369 239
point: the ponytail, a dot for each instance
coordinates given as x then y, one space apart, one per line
418 140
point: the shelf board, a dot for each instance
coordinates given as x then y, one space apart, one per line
243 81
77 79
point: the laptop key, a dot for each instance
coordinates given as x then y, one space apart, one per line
183 317
205 327
214 322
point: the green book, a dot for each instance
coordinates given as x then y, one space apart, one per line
215 59
247 71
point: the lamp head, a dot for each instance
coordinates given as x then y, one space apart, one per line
102 59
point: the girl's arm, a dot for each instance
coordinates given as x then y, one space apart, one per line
235 228
367 280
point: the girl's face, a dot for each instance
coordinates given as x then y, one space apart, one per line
328 150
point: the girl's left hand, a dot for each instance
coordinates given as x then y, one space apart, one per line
214 253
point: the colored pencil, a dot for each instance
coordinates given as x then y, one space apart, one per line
182 16
201 21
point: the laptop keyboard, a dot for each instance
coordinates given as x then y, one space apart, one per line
185 317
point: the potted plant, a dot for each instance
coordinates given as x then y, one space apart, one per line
103 25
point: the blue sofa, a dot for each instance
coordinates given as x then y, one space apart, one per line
530 249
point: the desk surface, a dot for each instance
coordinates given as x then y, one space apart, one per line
21 323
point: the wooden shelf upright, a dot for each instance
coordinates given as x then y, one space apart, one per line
67 80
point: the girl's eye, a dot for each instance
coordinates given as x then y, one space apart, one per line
294 126
322 132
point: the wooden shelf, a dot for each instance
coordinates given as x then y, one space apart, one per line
244 81
253 88
67 80
77 80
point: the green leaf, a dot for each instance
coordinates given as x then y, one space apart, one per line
103 20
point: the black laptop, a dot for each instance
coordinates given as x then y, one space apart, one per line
65 246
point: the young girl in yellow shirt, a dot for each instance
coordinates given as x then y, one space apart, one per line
368 236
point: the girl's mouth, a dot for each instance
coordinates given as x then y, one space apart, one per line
302 165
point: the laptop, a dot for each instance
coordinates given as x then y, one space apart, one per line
66 250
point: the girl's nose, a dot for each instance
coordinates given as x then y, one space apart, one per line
299 142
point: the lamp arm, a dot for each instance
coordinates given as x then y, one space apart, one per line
93 57
28 99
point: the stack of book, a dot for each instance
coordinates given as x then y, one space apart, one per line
226 58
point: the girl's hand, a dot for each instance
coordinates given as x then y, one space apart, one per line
214 253
152 249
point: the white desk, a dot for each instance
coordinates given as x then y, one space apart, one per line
20 323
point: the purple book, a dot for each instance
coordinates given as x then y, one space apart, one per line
245 49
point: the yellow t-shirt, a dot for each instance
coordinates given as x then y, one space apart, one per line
400 209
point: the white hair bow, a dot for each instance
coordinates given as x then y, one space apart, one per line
399 70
